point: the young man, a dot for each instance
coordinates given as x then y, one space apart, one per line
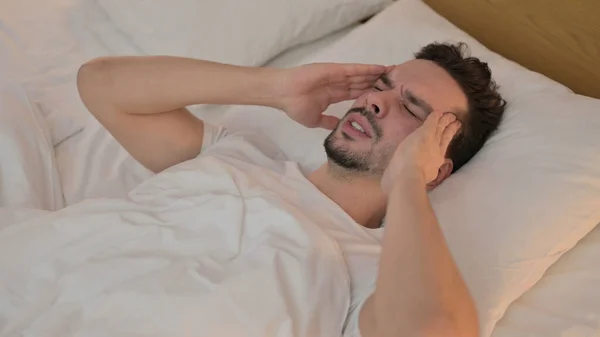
410 127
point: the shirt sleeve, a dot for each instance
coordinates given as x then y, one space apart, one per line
241 146
212 134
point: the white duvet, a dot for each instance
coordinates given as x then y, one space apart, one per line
157 264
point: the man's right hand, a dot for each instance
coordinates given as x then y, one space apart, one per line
305 92
142 100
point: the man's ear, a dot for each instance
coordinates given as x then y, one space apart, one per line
444 172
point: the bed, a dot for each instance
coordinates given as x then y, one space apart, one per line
71 158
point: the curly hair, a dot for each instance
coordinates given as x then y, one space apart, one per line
485 105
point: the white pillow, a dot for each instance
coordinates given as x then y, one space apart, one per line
47 43
28 175
233 31
292 56
566 301
525 199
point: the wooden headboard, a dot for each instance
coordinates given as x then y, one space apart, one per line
558 38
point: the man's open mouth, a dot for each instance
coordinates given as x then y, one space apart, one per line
361 124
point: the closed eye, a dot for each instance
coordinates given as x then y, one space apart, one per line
410 112
376 88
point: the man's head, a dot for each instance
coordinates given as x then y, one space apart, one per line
442 77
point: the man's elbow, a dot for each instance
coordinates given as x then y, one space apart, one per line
93 70
93 81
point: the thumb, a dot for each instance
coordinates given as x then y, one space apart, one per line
328 122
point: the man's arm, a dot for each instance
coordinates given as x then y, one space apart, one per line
419 290
142 100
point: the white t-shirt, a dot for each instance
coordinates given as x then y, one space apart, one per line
360 246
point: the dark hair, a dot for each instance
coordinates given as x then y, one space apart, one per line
485 105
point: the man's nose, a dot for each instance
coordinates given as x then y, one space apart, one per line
376 104
375 108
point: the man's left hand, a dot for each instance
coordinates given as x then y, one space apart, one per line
423 152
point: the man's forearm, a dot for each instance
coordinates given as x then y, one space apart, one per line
154 84
419 289
141 101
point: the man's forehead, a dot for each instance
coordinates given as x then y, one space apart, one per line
420 69
430 82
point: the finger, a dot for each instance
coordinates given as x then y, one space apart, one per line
339 94
343 93
337 78
328 122
355 93
347 85
443 123
362 79
432 120
357 69
363 86
449 134
349 80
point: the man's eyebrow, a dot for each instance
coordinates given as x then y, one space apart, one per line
419 102
386 80
409 95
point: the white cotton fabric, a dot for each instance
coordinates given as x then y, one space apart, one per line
359 246
566 301
28 173
234 242
232 31
93 164
15 215
525 199
44 43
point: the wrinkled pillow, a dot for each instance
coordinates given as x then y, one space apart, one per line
232 31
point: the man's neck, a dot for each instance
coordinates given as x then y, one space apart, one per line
359 196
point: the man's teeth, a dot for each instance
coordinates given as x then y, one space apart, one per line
357 127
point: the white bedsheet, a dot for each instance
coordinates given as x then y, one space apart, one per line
157 265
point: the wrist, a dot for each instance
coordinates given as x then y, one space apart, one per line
409 176
280 88
266 84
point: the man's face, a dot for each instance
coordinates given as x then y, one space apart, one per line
398 104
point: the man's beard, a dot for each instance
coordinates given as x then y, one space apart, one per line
350 161
344 158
